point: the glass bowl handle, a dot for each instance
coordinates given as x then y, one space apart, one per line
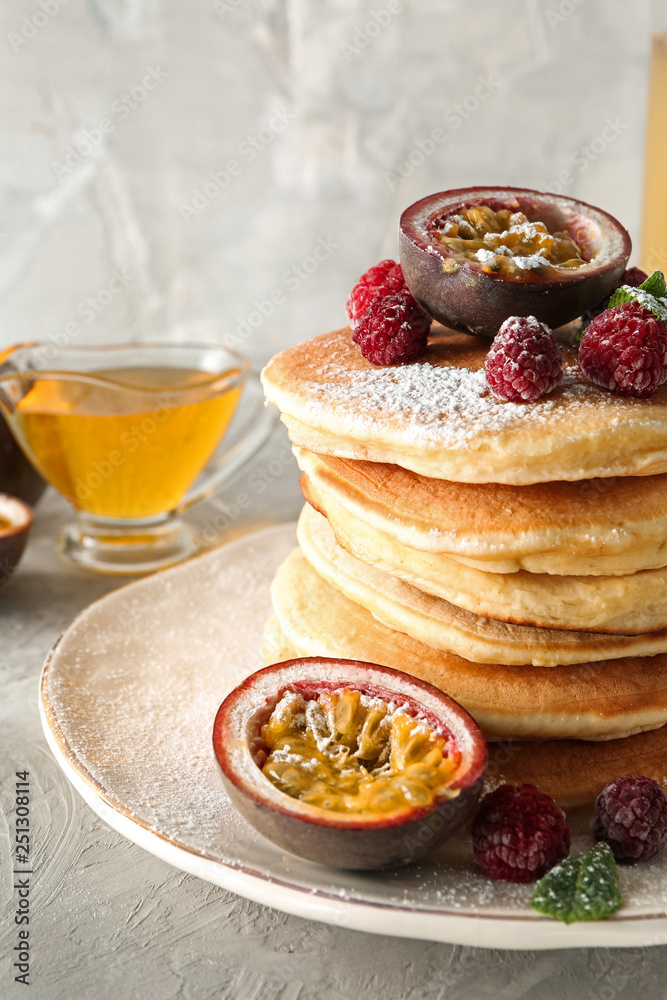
249 434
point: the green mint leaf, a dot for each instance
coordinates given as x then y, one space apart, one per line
652 294
655 285
583 887
622 294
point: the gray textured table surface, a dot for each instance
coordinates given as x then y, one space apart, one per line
111 921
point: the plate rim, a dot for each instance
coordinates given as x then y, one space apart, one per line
246 879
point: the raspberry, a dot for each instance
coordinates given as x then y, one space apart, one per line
631 815
394 330
386 278
625 349
633 276
524 361
519 833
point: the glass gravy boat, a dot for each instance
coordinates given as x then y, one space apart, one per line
122 432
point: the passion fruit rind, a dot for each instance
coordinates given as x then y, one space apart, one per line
17 476
368 841
16 519
460 294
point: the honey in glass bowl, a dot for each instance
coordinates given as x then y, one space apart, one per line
124 454
123 432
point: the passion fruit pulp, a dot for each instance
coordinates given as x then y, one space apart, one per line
349 764
475 293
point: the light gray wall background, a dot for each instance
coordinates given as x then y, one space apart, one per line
116 117
120 216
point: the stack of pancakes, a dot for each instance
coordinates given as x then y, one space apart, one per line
515 556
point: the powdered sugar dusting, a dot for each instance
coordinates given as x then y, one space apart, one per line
656 304
445 405
135 685
531 262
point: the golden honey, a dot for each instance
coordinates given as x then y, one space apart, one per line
507 242
115 451
347 752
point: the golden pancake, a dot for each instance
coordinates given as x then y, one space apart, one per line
594 701
276 647
574 772
437 623
600 527
437 417
630 605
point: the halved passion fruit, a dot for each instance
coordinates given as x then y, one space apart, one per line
17 476
16 519
348 764
475 256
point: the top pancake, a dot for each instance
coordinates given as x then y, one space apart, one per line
437 417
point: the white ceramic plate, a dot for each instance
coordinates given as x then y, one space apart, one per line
128 698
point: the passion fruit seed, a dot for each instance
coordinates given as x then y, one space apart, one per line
348 752
423 772
281 717
407 744
370 738
317 721
346 714
505 242
285 776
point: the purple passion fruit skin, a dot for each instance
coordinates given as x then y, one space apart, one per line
367 841
15 521
465 297
17 476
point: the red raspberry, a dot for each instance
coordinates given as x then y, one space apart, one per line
633 276
393 331
386 278
519 833
625 349
631 815
524 361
